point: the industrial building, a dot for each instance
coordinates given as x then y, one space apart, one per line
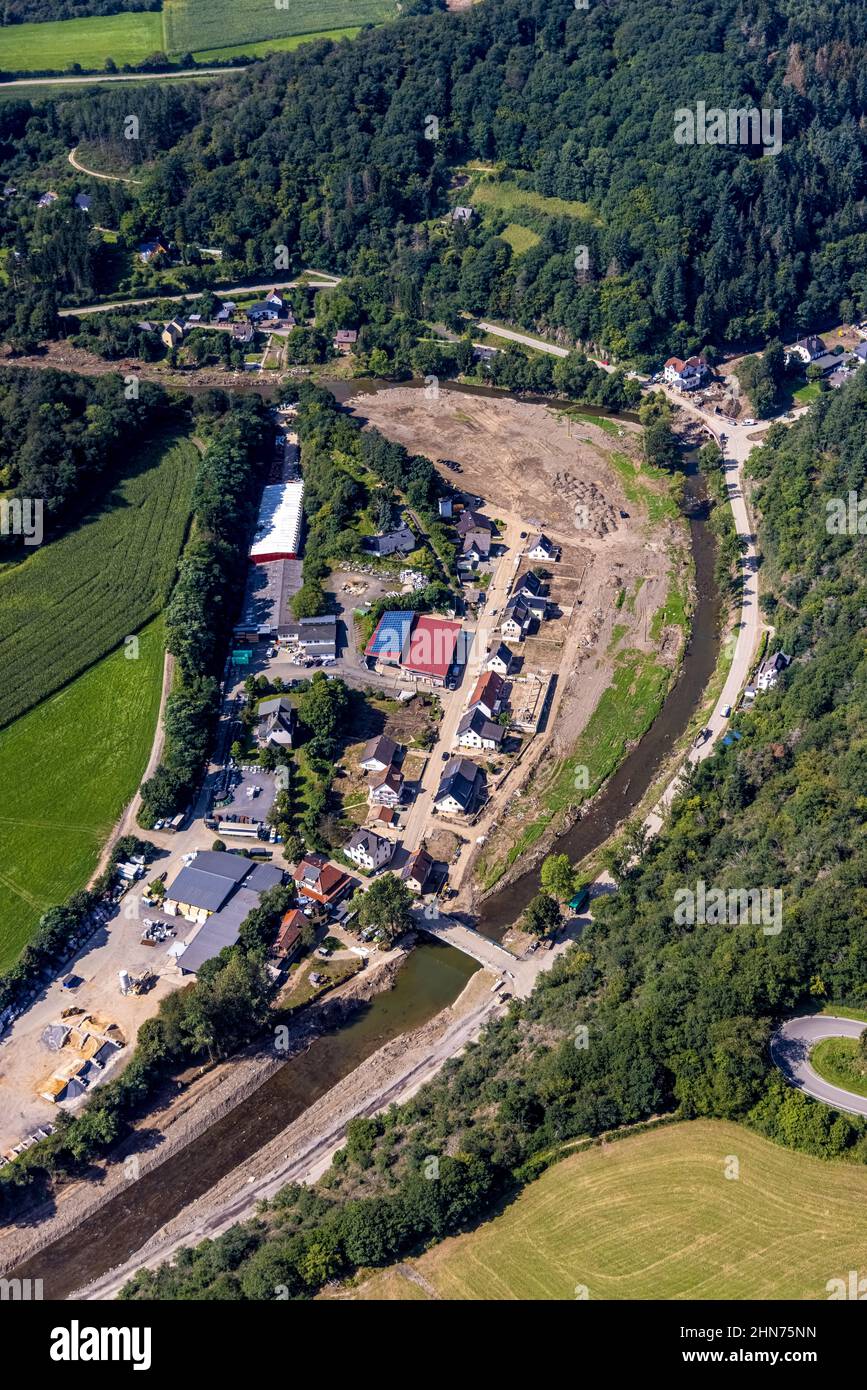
278 529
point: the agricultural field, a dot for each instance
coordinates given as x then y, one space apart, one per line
75 600
127 38
266 46
656 1217
69 767
199 26
520 238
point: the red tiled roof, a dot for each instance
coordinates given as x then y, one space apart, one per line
488 688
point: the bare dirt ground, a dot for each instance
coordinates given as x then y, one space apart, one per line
536 469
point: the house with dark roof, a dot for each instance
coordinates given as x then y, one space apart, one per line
500 660
173 333
378 754
471 520
530 585
516 619
476 545
461 787
539 547
276 724
807 349
345 340
401 541
385 788
205 884
368 850
769 671
476 730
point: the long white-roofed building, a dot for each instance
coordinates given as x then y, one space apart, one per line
278 528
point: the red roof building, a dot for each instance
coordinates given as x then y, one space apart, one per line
488 693
432 647
320 881
288 942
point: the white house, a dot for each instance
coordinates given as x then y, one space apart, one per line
769 671
385 788
488 694
500 661
540 548
516 620
476 730
368 850
378 754
417 871
685 375
807 349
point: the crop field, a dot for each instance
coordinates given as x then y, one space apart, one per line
73 601
266 46
656 1217
208 25
127 38
67 770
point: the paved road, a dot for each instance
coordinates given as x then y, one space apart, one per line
538 343
326 282
790 1050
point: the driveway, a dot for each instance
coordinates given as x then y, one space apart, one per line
790 1050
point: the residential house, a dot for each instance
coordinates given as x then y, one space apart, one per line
345 340
500 660
476 545
150 249
686 375
368 850
445 506
462 214
82 200
538 605
488 694
242 333
807 350
470 520
173 333
381 815
385 788
320 881
529 585
476 730
276 724
288 941
483 353
417 871
461 787
402 541
379 754
541 548
46 200
516 621
769 671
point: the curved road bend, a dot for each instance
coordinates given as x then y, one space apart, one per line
109 178
790 1051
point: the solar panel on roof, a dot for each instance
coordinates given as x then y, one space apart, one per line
392 634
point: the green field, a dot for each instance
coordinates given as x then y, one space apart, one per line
836 1059
200 26
654 1217
502 195
266 46
72 601
127 38
67 770
520 238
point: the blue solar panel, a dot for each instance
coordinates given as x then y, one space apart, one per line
392 634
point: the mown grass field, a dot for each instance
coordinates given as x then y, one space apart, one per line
655 1217
503 195
837 1060
127 38
266 46
67 770
520 238
72 601
200 26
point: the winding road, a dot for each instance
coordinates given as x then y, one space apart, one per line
790 1050
108 178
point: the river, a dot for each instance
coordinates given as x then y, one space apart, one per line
432 977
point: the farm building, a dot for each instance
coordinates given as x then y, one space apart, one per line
278 529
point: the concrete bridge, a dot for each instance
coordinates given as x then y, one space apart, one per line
519 975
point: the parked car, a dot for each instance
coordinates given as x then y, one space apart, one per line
726 711
751 422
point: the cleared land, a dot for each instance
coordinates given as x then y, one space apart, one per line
209 25
655 1217
127 38
74 600
68 768
618 591
503 195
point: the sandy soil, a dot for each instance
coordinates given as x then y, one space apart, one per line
537 470
205 1094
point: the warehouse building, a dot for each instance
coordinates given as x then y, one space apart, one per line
278 529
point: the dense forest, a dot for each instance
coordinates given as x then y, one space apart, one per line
31 11
677 1017
324 151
